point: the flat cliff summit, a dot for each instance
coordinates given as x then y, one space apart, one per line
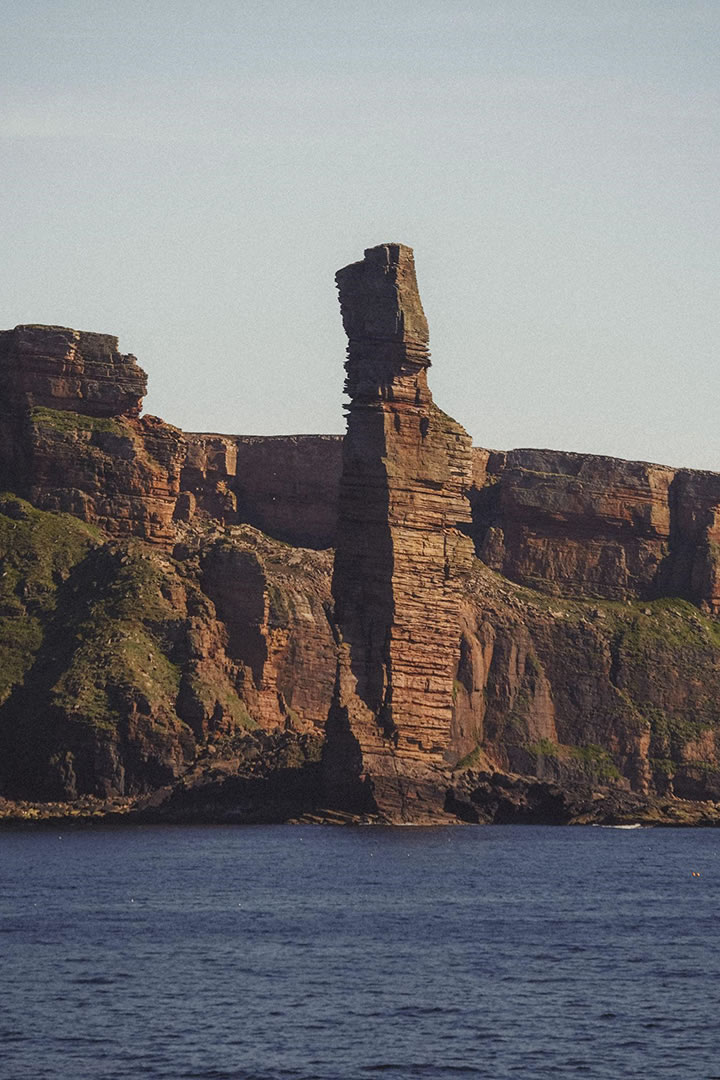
393 626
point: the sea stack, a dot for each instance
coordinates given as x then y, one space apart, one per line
401 552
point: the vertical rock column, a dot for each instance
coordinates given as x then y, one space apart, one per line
400 550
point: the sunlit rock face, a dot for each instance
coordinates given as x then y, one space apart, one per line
60 368
586 525
401 552
71 436
174 636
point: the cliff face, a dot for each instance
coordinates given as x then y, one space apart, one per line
70 437
588 692
400 554
58 368
287 486
584 525
443 663
171 636
123 668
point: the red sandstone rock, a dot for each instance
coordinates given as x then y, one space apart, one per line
572 691
123 476
585 525
273 603
694 571
574 523
60 368
437 663
70 436
140 665
400 553
285 485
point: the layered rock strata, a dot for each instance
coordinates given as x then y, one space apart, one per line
401 552
285 485
573 523
588 694
585 525
561 676
71 438
58 368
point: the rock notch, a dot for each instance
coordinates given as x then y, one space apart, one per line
401 551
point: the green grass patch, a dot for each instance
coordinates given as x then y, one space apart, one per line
212 694
671 732
115 665
279 606
65 421
38 553
20 640
475 757
664 766
543 748
596 761
119 656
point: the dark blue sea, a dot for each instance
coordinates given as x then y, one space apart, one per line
291 953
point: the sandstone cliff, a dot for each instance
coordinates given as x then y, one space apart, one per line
285 485
58 368
70 437
507 636
584 525
588 694
123 667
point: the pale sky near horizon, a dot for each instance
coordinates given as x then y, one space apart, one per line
189 177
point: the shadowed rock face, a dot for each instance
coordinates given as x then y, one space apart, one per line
285 485
122 667
400 551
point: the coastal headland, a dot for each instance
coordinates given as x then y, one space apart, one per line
393 626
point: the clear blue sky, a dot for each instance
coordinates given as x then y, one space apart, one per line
190 176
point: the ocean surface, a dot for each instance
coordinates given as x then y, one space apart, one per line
291 953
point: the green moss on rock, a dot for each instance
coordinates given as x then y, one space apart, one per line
63 420
38 553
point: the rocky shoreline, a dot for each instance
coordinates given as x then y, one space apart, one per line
478 799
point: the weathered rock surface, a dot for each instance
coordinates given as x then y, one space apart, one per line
285 485
401 555
122 667
58 368
120 474
71 438
584 525
580 692
162 658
